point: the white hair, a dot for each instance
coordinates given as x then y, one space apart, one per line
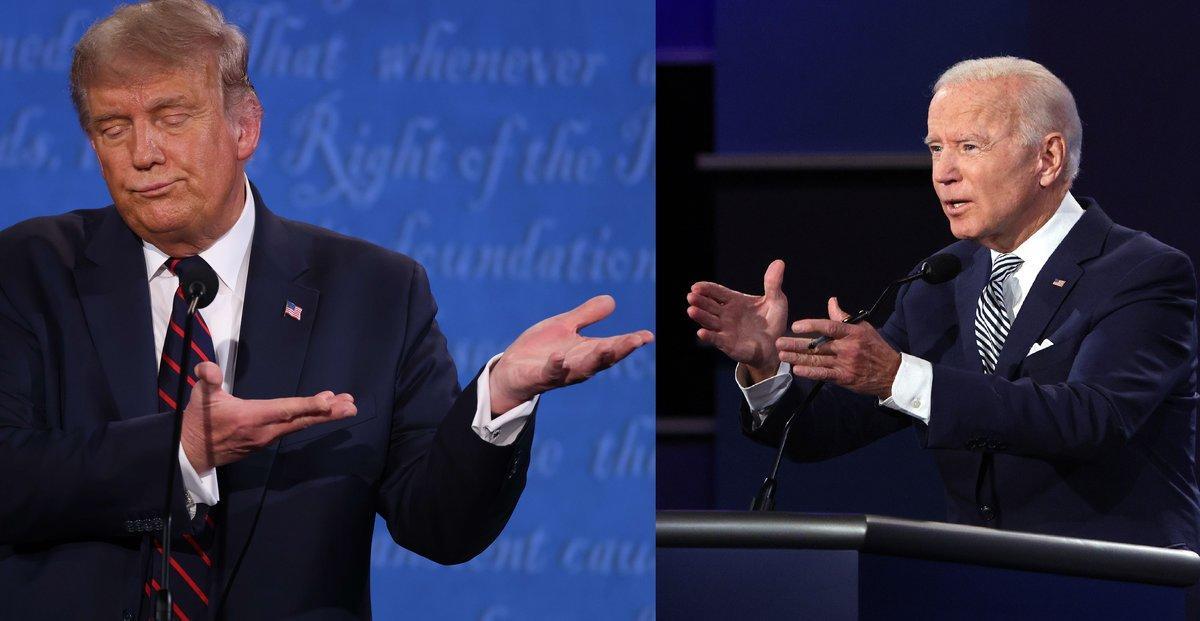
1044 103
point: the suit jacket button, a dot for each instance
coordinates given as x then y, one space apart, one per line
987 513
127 615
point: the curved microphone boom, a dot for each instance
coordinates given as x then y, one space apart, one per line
199 283
935 270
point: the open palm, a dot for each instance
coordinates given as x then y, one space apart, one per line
552 353
742 326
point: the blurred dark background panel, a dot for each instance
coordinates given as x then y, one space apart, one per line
845 76
793 130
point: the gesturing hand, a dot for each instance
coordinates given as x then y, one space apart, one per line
219 428
552 353
743 326
857 358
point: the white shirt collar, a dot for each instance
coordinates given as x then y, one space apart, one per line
1036 250
226 255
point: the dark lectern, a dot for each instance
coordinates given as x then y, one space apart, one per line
744 566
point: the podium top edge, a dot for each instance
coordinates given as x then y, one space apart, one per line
936 541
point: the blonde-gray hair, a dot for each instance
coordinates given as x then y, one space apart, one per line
173 33
1044 103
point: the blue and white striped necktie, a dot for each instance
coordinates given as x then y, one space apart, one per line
992 320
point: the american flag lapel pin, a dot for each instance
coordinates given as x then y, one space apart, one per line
1058 282
293 311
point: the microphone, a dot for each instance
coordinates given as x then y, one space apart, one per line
939 268
199 284
198 279
935 270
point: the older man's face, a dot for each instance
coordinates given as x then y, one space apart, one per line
985 178
171 158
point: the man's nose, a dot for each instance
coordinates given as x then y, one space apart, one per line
945 168
146 152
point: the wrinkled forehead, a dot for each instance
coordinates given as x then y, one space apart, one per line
130 85
976 106
142 70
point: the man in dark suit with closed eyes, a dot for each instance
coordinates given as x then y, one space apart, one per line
1055 377
325 394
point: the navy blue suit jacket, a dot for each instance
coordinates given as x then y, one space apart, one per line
1092 437
83 448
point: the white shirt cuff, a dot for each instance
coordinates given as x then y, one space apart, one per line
505 428
764 394
200 489
912 390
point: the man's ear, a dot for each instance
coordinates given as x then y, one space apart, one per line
1052 160
248 126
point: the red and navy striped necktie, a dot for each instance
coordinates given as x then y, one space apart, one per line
191 550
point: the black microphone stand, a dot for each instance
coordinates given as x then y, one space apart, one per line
764 500
162 597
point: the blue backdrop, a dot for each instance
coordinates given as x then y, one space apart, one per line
509 147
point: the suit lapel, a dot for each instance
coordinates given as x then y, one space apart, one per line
967 288
270 358
1042 301
113 290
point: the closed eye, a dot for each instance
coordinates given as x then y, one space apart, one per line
113 131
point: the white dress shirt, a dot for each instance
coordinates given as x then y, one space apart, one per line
229 257
912 388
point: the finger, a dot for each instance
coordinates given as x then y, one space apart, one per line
210 374
623 345
773 278
800 345
717 292
807 359
337 411
705 302
321 406
708 336
826 327
590 311
835 311
717 339
822 374
704 318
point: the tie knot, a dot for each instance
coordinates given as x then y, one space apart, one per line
175 264
1004 266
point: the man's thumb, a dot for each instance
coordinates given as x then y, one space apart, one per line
209 373
773 279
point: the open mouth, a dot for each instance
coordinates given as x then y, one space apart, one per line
953 207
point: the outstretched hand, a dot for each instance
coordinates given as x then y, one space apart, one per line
743 326
552 353
856 358
219 428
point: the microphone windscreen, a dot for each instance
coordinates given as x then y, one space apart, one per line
940 268
199 273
